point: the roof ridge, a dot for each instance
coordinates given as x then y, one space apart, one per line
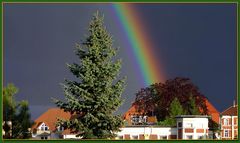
228 108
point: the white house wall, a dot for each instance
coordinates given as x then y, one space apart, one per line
72 136
194 124
136 131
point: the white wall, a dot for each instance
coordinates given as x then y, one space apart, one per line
136 131
194 123
71 136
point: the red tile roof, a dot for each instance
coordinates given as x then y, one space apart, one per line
50 118
132 110
212 111
231 111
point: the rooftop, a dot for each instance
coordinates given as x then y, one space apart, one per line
231 111
152 126
192 116
50 118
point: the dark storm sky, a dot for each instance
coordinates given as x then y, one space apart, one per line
197 41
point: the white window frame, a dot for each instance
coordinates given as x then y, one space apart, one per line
226 121
228 133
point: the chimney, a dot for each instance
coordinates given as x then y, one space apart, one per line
233 103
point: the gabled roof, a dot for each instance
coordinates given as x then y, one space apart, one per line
212 111
50 118
192 116
132 110
231 111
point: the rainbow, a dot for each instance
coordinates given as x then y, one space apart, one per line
140 43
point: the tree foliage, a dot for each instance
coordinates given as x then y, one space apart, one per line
96 94
174 110
192 108
17 113
158 97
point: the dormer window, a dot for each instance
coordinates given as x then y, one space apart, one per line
44 127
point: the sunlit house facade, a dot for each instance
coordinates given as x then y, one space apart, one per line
229 123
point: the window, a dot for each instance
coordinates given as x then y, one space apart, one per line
44 137
235 121
200 137
135 137
120 137
179 124
163 137
226 133
225 121
44 127
189 136
235 134
190 125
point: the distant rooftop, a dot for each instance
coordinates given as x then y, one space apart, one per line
231 111
152 126
192 116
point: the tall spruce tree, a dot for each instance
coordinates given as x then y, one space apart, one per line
96 94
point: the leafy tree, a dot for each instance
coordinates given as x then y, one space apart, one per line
96 95
147 99
175 109
158 97
17 113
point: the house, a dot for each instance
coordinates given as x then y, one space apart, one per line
192 126
45 126
138 126
188 127
229 123
146 132
134 111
